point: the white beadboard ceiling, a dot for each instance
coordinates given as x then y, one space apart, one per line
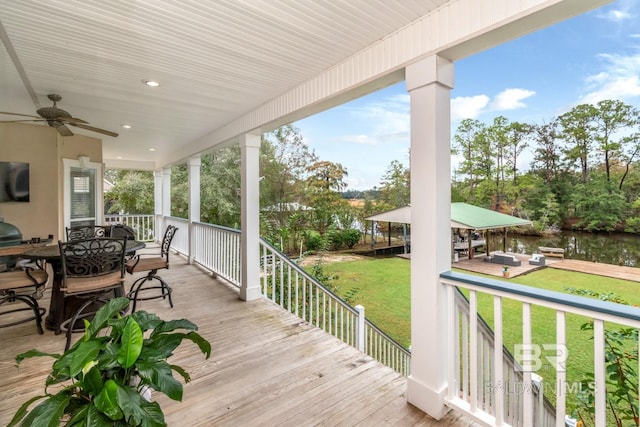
216 60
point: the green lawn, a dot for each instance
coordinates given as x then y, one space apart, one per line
382 286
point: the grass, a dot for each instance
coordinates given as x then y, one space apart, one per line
383 287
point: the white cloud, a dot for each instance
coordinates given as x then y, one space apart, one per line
472 106
359 139
616 15
468 107
619 80
510 99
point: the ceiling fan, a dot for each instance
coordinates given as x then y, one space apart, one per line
57 118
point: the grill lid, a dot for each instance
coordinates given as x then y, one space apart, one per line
9 234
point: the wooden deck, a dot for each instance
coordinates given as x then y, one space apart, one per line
600 269
267 367
477 265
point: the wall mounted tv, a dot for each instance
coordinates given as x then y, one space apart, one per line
14 182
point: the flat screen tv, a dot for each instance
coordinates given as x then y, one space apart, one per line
14 182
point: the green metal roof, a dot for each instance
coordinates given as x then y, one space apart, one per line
463 215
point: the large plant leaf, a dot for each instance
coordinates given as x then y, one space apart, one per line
130 402
138 411
108 357
204 345
158 375
34 353
131 344
161 347
48 412
109 310
95 418
107 402
153 415
146 320
92 381
22 411
184 374
85 352
172 325
79 417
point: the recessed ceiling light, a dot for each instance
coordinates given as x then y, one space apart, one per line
152 149
119 157
126 126
151 83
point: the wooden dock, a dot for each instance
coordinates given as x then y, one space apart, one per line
551 252
600 269
267 367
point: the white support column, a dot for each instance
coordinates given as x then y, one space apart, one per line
166 201
429 83
157 203
194 202
250 221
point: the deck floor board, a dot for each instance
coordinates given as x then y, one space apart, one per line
268 367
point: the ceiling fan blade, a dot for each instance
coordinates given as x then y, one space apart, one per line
22 115
71 120
22 121
91 128
63 130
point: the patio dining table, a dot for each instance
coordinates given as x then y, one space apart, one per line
51 253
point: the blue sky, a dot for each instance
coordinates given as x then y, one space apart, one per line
532 79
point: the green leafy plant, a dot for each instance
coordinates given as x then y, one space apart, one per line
621 358
100 380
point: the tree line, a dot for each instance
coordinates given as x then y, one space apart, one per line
583 170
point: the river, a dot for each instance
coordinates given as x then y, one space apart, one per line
609 248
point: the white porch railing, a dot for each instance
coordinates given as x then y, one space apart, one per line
544 411
288 285
180 242
143 225
495 396
218 250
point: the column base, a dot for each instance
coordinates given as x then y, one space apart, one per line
426 399
250 294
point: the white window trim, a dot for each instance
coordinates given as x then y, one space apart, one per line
77 163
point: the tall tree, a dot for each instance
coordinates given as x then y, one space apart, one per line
324 184
518 135
611 117
546 155
577 128
283 162
132 192
395 185
498 138
467 145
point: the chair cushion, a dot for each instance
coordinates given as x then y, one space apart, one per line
146 264
19 279
87 284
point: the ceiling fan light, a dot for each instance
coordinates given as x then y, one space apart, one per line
126 126
151 83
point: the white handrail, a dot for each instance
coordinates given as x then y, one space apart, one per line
143 225
287 284
499 394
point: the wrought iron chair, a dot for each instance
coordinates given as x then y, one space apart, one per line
87 231
91 270
151 263
25 285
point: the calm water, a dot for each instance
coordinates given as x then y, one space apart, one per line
614 248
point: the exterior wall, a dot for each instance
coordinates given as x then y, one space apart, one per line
43 149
